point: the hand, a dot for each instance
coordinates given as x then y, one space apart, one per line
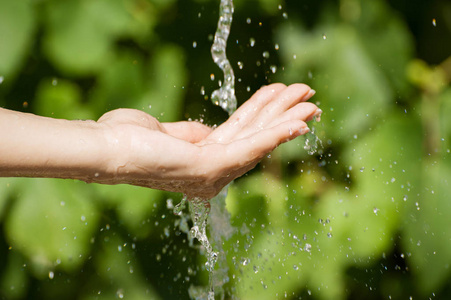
193 159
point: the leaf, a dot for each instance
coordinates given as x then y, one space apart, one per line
14 280
118 272
16 31
428 238
166 84
80 35
120 85
386 174
133 205
351 94
388 41
52 224
60 98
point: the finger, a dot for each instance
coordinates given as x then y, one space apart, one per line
192 132
252 149
247 112
257 102
304 111
288 98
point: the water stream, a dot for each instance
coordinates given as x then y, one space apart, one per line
221 229
225 95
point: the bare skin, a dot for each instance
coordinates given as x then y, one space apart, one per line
128 146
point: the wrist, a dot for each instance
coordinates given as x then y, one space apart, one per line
112 155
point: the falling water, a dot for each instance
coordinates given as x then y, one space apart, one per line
199 211
312 141
225 95
221 229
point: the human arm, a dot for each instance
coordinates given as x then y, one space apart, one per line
131 147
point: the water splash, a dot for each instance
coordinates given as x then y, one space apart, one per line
225 95
220 231
312 142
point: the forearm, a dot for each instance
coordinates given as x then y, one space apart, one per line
34 146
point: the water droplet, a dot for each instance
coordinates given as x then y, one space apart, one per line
51 275
248 20
276 46
252 42
266 54
2 79
295 267
307 247
434 22
202 90
54 82
212 76
83 218
194 44
375 210
244 261
240 65
273 69
285 15
324 36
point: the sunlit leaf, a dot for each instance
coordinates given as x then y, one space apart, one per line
166 84
16 31
119 273
81 34
427 236
351 94
134 205
60 99
59 225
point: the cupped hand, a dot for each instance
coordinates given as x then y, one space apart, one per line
193 159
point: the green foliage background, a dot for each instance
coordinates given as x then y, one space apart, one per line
366 218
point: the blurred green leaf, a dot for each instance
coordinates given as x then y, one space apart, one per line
166 84
60 223
16 31
80 34
133 205
427 236
445 121
352 95
118 273
387 40
120 85
385 168
14 280
59 98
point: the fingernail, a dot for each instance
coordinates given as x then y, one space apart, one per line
304 130
317 115
309 94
